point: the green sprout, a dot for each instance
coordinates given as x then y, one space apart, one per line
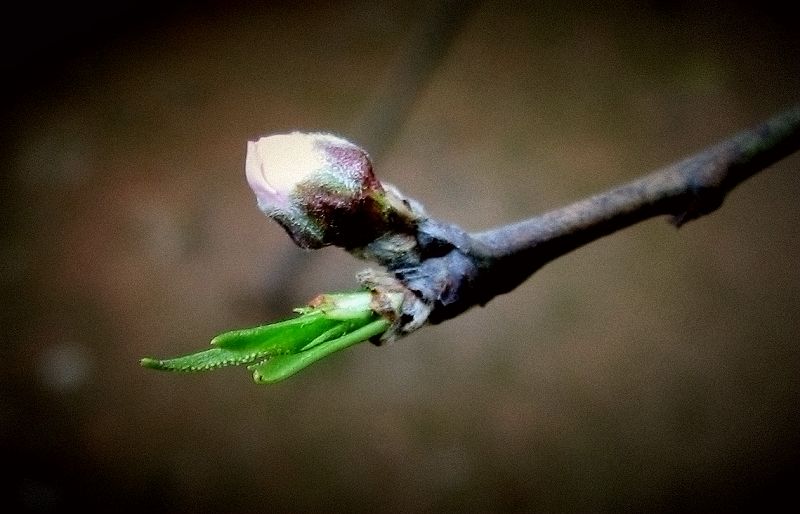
273 352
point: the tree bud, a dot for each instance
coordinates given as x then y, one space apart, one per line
319 188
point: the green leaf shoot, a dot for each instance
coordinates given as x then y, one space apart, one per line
273 352
281 367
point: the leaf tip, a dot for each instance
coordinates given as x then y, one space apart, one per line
147 362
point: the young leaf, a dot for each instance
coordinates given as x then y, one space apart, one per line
282 337
283 366
204 361
330 323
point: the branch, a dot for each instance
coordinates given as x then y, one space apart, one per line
685 190
323 192
448 271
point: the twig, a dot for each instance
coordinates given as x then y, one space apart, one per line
322 190
498 260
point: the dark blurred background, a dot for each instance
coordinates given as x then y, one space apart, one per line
655 370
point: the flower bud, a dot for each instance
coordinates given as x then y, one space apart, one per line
319 188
